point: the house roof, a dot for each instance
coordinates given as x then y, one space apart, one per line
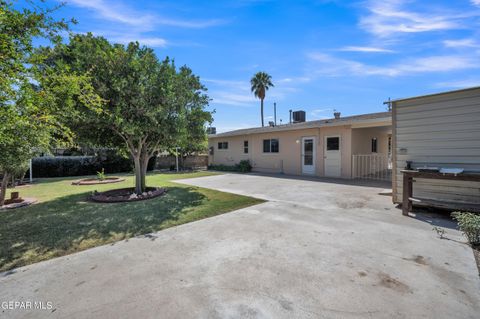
347 120
434 94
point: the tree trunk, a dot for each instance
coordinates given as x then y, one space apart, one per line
261 110
144 163
3 188
138 175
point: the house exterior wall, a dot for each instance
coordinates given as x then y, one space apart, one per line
289 159
362 139
443 131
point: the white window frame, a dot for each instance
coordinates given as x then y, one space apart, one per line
270 139
222 149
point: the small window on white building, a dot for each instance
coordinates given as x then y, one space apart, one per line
223 145
271 146
245 147
374 145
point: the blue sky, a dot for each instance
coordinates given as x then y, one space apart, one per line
323 55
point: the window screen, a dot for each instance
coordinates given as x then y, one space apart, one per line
274 147
374 145
308 152
245 147
333 143
271 146
222 145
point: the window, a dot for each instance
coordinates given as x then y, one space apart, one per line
245 147
271 146
374 145
333 143
389 145
308 151
223 145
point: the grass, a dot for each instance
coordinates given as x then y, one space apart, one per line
64 221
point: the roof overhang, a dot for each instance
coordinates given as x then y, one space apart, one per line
363 123
433 94
373 123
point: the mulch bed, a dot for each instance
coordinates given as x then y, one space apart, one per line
126 195
95 181
17 203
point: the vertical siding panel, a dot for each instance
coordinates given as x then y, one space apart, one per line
436 131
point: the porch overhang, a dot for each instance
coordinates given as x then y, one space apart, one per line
373 123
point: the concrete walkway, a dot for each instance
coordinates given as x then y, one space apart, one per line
317 249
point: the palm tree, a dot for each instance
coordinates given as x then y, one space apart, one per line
260 83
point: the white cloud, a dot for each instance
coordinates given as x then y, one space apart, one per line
233 126
475 2
459 84
153 42
389 17
469 43
227 92
115 11
238 93
298 79
365 49
331 66
321 114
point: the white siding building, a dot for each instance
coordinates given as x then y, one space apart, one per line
441 130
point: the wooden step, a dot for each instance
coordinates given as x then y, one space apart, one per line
459 206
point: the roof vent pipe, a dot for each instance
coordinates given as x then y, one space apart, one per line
337 115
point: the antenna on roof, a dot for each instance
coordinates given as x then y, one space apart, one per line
275 113
389 104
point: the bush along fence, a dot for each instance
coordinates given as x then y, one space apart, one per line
469 224
242 167
190 162
60 166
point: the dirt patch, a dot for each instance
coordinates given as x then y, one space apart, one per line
392 283
354 204
17 203
362 274
418 259
96 181
126 195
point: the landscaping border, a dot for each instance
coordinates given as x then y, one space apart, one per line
95 181
121 195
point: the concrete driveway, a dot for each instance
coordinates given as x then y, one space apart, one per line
317 249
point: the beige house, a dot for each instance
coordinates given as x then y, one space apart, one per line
346 147
438 130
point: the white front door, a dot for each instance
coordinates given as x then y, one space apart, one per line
332 156
308 155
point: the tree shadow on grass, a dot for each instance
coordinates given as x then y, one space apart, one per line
73 223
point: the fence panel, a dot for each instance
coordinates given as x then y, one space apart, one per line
372 166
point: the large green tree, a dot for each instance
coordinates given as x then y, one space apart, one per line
260 83
148 105
31 103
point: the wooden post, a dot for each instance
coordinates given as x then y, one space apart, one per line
407 194
31 172
176 157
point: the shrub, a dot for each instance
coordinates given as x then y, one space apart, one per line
101 175
469 224
60 166
223 168
244 166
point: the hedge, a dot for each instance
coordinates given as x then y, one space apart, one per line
243 167
60 166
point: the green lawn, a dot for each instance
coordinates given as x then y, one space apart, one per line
64 221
